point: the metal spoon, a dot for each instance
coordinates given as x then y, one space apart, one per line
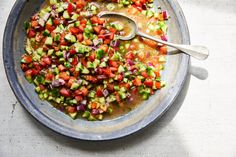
196 51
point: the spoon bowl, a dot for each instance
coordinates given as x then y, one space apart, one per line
196 51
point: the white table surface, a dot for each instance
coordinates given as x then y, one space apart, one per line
205 124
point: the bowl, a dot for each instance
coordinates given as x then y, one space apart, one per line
175 75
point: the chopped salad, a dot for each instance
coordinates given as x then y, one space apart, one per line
77 62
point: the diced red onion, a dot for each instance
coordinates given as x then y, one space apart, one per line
164 38
105 92
58 83
131 99
95 111
115 43
100 111
148 55
81 108
84 102
101 77
130 62
150 64
165 15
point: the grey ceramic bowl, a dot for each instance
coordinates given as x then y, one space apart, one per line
174 75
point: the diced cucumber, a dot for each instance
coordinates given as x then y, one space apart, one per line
71 38
49 41
121 69
66 15
85 71
53 2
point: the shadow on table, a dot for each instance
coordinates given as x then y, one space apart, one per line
137 138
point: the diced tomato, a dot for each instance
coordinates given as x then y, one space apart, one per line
158 84
117 97
148 83
61 67
163 50
141 56
47 60
42 87
91 78
78 98
29 72
113 30
34 23
80 37
24 67
144 74
88 42
70 8
104 47
129 55
80 3
31 33
78 92
56 22
110 87
101 21
81 27
84 91
65 92
64 76
132 47
119 77
99 92
49 27
27 59
107 41
49 77
83 22
113 63
137 81
108 72
75 61
94 19
71 81
159 32
83 61
93 105
157 73
71 109
72 51
97 29
112 35
92 56
74 30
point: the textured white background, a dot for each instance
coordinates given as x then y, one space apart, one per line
205 124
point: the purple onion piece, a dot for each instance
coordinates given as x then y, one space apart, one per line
144 7
115 43
81 108
150 64
100 111
130 62
95 111
105 92
57 83
164 38
54 7
131 99
83 102
101 77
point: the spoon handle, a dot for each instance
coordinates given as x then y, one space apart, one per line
196 51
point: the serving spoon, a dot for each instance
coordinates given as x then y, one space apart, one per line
196 51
